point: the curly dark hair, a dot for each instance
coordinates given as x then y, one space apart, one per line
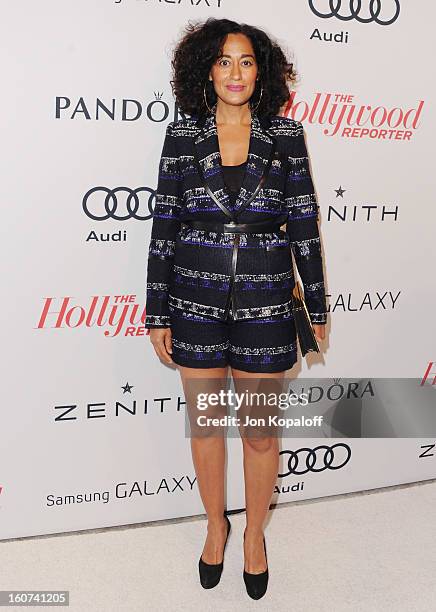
201 45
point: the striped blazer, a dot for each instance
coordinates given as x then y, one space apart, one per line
198 271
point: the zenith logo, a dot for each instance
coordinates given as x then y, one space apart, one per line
354 11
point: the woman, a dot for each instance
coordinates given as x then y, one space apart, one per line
220 273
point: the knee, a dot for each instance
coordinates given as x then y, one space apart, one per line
259 445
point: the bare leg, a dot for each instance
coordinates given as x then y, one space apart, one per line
261 466
208 455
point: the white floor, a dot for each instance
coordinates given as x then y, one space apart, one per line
370 551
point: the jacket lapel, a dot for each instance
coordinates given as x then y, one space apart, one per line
206 146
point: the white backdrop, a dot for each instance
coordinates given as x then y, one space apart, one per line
86 100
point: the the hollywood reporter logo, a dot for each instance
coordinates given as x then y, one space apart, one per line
117 314
430 371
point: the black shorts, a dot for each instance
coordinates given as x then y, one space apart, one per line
254 345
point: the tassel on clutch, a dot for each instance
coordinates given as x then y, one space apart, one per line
303 324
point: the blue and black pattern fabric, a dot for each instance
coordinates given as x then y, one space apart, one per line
190 270
267 344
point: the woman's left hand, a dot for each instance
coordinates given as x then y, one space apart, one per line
319 331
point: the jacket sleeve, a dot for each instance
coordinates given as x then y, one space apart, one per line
165 225
302 227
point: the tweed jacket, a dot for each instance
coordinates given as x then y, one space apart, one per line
198 271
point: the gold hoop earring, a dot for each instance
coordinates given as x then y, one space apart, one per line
204 96
253 110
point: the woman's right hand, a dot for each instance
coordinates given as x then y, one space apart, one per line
160 337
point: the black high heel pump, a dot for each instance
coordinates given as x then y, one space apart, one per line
256 584
210 573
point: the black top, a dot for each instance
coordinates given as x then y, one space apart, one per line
233 177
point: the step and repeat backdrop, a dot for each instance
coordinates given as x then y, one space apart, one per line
93 424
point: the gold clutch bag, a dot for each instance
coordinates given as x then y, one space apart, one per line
303 324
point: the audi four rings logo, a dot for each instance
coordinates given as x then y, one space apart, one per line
316 459
107 201
355 9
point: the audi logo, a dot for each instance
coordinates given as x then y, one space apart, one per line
354 11
316 459
111 204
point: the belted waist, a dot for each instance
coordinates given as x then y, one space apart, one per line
266 225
